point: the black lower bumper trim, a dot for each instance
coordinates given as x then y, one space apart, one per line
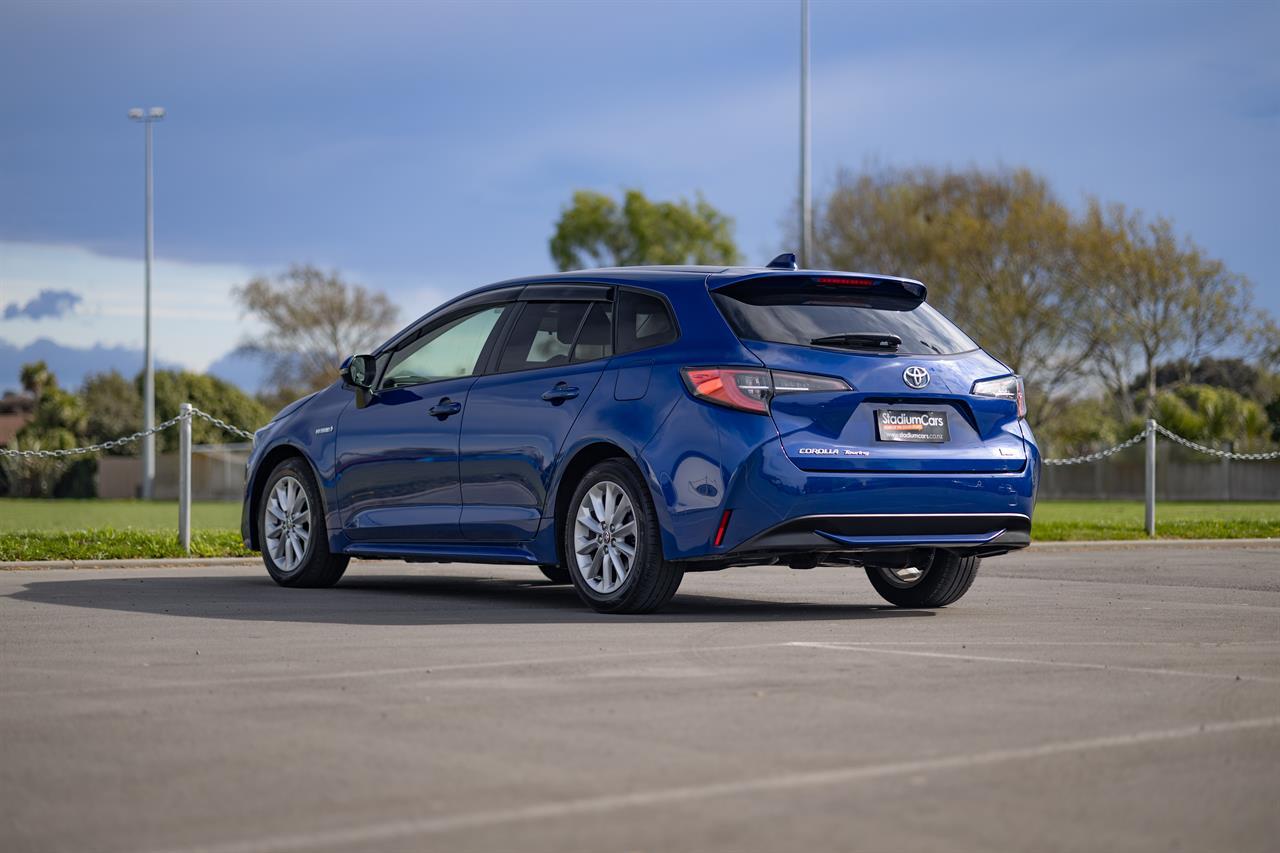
988 532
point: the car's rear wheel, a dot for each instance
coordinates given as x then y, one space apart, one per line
295 547
943 580
613 543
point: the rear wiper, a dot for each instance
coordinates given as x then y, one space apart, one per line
861 340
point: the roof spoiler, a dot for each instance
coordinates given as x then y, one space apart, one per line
817 287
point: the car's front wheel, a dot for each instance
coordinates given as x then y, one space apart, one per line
291 530
613 543
943 580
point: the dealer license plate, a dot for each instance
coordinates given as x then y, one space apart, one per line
901 425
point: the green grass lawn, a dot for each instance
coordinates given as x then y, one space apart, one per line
1056 521
101 529
20 514
112 529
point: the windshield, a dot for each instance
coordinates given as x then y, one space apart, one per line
859 320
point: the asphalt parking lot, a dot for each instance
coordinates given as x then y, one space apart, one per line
1091 699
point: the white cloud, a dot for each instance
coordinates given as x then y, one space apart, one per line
194 319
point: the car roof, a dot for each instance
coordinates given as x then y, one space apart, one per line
661 278
668 280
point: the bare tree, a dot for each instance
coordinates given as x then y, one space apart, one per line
996 249
1157 299
313 320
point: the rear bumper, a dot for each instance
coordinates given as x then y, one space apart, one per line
718 461
983 533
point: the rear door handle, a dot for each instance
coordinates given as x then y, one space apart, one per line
560 393
445 408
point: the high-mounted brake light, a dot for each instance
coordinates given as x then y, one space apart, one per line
750 389
1005 388
849 282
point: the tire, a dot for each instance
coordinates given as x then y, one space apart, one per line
311 564
555 574
945 580
646 580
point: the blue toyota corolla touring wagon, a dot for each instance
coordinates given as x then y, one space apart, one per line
617 428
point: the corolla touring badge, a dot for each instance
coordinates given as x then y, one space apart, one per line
915 376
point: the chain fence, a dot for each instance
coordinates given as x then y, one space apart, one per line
119 442
188 413
1101 454
1172 436
1221 454
246 434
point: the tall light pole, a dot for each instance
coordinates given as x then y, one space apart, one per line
806 193
148 118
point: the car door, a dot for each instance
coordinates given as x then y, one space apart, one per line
519 415
397 456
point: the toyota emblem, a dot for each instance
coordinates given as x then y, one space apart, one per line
915 376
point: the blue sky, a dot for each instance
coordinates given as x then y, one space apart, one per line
428 148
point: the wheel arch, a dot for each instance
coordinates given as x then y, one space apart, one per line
270 460
582 461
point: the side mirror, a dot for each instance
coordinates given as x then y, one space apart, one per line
359 371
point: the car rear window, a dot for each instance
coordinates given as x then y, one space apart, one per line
804 314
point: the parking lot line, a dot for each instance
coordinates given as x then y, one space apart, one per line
401 829
1147 670
405 670
871 647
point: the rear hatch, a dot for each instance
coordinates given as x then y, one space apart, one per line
910 371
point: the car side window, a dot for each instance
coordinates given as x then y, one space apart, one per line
595 340
644 321
542 336
447 352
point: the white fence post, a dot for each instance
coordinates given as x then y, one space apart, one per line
184 478
1151 477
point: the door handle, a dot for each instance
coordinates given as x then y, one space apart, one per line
445 408
560 393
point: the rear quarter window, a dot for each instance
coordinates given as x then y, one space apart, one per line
644 322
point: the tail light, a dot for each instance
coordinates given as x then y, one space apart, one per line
750 389
1005 388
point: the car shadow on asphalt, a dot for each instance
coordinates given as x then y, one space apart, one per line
418 600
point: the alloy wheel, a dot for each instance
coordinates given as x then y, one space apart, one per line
605 537
288 525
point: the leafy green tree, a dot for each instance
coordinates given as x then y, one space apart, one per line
1081 425
1213 415
36 376
1249 379
209 394
113 407
312 321
58 422
594 230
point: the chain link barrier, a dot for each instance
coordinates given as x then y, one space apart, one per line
1221 454
221 424
119 442
245 434
1172 436
1101 454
